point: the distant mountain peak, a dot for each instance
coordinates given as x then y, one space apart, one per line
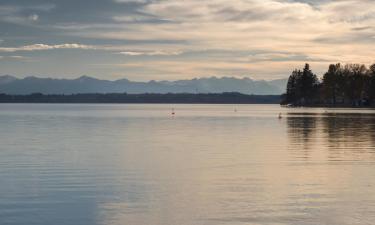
85 78
5 79
87 84
33 78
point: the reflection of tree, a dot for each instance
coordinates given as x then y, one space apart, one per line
349 136
345 136
301 128
337 126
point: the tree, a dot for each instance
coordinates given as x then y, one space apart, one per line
302 87
371 86
352 84
355 80
291 88
308 85
331 83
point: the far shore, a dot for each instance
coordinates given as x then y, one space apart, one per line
148 98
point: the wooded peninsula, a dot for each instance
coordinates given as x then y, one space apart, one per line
351 85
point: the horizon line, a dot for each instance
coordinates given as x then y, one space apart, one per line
144 81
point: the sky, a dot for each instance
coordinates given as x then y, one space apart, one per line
182 39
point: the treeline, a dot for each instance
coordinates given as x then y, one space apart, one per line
351 85
223 98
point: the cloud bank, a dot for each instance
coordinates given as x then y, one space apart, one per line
176 39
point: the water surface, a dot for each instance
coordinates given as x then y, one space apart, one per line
207 165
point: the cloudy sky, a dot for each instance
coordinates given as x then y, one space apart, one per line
178 39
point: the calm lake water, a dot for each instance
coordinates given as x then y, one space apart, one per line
207 165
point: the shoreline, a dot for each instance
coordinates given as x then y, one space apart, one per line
147 98
330 106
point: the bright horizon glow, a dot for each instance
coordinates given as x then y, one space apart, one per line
145 40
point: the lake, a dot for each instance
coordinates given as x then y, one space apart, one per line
206 165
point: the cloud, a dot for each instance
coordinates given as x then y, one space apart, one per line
266 37
39 47
131 18
16 14
33 17
14 57
236 10
132 1
150 53
350 11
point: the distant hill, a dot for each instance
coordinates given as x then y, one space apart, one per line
85 84
183 98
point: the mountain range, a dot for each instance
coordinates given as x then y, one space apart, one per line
86 84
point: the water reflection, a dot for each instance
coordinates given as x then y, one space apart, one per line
343 136
135 164
301 133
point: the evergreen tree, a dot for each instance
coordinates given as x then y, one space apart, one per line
371 86
308 85
291 89
331 83
355 79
